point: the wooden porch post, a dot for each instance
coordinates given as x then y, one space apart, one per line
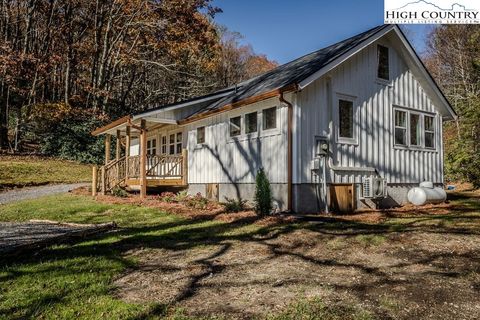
94 180
118 148
143 159
185 166
127 151
108 141
104 183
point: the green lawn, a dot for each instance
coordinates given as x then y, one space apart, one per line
32 171
76 281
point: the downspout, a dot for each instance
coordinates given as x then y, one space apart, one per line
289 151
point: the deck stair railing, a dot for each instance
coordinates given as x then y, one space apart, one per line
112 175
119 171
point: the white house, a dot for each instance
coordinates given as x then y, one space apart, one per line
356 124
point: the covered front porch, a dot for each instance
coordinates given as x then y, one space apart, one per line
151 165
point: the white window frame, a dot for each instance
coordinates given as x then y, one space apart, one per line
163 144
355 127
150 148
175 143
406 128
422 114
277 118
245 123
425 131
204 135
420 122
381 80
241 126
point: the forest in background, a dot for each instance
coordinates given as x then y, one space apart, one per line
68 66
453 58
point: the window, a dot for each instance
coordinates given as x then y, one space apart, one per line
251 120
269 118
383 71
400 128
415 139
414 129
345 116
201 135
152 146
164 144
171 146
429 127
179 142
235 126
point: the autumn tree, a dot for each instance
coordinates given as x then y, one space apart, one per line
454 61
102 59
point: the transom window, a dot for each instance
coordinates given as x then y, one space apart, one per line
251 122
152 146
269 118
201 135
383 68
235 126
345 116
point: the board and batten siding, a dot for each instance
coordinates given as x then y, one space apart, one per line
222 159
374 119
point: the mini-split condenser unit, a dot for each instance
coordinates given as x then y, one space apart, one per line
374 187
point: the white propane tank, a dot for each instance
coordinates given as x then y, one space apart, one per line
426 194
426 184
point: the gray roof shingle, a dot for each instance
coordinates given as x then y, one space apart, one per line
290 73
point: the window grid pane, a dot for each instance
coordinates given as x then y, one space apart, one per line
415 129
345 110
400 128
251 120
269 118
429 131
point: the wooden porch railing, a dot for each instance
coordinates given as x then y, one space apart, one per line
158 167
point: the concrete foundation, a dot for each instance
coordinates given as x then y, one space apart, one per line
244 191
307 198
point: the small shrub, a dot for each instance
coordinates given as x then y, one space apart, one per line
181 196
167 197
232 205
197 202
263 194
119 192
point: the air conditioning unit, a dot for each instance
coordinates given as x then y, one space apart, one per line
374 187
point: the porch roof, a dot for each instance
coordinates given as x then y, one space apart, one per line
121 124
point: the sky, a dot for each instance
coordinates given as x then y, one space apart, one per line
287 29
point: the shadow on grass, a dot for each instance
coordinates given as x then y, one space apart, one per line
114 248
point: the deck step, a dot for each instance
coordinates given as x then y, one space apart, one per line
156 182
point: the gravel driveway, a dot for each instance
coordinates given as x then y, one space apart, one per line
37 192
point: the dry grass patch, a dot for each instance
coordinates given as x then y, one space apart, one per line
16 171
